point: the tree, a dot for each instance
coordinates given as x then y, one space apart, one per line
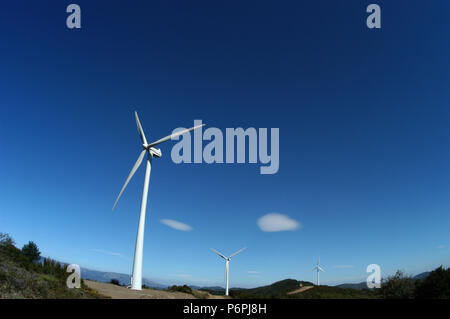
31 251
6 240
398 286
436 285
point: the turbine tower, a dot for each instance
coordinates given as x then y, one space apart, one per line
151 151
227 261
319 269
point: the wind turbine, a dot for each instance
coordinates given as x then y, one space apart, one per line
227 261
151 151
319 269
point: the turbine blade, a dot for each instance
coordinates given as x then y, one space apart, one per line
140 130
133 170
321 269
219 254
168 137
240 250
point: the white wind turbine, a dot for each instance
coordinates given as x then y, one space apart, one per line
319 269
136 278
227 261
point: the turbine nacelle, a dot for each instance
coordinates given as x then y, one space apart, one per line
154 152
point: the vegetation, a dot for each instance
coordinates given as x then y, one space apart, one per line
281 289
115 282
276 290
329 292
31 251
5 240
188 290
184 288
435 286
398 286
20 277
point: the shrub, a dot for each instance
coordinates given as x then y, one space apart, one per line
115 282
184 288
6 240
435 286
398 286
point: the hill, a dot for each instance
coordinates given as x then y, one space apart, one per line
21 278
359 285
422 276
290 288
330 292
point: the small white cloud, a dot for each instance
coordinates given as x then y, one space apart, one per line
274 222
184 275
176 225
343 266
441 246
109 253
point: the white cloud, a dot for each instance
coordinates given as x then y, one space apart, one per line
176 224
277 222
184 275
343 266
109 253
441 246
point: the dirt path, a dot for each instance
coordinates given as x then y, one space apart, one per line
300 290
118 292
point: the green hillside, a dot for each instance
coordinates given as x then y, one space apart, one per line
22 278
281 289
329 292
278 289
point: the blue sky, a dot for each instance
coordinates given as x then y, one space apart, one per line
364 135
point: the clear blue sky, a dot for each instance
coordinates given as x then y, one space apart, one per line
364 135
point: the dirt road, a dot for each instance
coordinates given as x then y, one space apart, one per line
300 290
118 292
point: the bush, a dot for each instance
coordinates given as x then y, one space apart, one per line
6 240
398 286
31 251
115 282
436 285
184 288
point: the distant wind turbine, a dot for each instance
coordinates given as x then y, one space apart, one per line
319 269
136 278
227 261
